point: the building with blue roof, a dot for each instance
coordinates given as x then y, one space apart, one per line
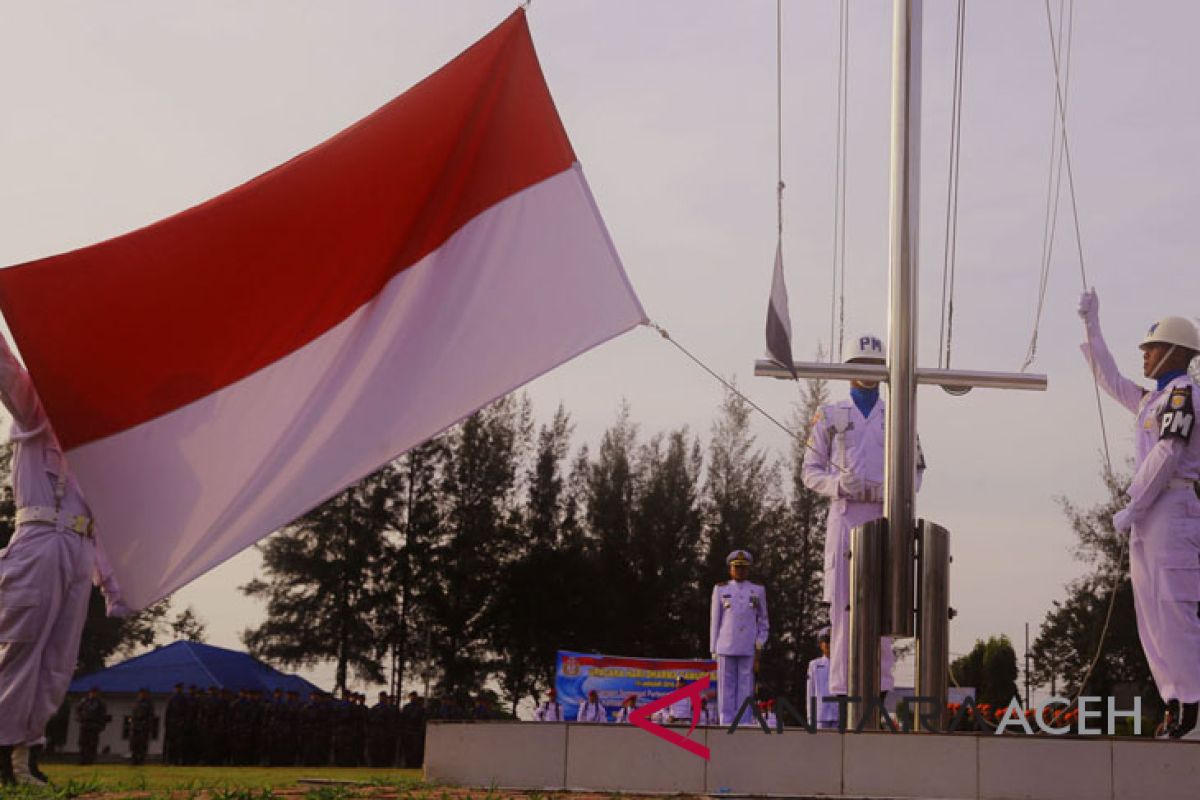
189 663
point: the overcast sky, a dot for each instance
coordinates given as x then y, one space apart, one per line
113 115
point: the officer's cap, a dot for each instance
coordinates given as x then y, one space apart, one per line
740 557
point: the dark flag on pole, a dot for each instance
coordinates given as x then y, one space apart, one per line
779 321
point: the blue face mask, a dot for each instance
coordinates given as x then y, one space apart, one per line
1163 380
864 398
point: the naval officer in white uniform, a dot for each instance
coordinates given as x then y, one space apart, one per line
737 634
1163 514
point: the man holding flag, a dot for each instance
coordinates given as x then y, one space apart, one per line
46 575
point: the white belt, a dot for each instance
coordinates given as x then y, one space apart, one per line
77 523
1181 483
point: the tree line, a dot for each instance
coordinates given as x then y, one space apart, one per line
471 560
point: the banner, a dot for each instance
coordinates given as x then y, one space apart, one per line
616 677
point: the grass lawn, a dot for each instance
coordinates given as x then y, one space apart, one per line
158 782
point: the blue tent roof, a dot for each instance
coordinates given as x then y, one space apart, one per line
190 663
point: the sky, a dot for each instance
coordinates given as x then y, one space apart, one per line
118 114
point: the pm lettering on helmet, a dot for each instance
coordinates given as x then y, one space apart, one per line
870 344
1178 415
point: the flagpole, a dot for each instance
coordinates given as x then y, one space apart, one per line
900 437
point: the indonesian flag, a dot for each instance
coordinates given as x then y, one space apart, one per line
779 321
215 375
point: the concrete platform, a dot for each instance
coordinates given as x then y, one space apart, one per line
622 758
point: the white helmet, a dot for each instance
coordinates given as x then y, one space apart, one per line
1178 331
868 345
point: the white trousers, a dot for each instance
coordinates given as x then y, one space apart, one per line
735 682
45 581
844 517
1164 564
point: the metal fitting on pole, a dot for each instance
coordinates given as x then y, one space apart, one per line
868 545
933 622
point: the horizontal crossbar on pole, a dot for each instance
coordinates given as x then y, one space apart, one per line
946 378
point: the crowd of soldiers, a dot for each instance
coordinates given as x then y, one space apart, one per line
218 727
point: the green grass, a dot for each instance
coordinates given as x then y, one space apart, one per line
157 782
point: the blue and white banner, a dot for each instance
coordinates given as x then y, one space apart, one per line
616 677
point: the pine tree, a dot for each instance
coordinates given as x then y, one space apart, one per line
478 540
794 557
406 556
1074 629
665 551
610 491
324 588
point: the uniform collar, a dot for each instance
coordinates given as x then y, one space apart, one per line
1163 380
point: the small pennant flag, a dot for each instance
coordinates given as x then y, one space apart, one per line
779 321
215 375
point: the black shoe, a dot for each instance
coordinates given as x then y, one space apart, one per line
1186 729
6 771
35 753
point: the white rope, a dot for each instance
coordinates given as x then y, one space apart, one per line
1053 179
664 334
950 251
837 299
1060 106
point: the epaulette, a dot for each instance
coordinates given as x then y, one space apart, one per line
722 583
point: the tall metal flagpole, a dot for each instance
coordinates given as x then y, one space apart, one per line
896 612
900 446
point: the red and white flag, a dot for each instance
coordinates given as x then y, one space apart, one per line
217 374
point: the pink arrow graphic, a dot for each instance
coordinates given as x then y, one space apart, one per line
641 717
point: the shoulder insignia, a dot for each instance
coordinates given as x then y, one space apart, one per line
1178 415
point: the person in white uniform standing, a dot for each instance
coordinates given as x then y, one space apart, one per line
46 575
591 710
737 634
550 710
1162 517
826 713
844 461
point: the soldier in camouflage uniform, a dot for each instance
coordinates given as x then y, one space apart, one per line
381 732
173 726
93 716
141 726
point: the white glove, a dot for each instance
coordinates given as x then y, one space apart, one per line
1123 521
851 485
1089 306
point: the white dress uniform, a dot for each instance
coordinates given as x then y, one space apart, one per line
739 628
622 714
46 572
681 711
549 711
817 691
591 712
1164 513
842 437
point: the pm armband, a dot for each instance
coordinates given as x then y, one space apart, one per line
1178 416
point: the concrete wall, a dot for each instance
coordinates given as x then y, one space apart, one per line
623 758
112 744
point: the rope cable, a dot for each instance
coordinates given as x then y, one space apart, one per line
837 299
1060 106
1053 180
664 334
845 122
950 248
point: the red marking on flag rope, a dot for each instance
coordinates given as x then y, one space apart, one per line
641 717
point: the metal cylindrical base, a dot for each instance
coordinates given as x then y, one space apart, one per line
933 623
868 549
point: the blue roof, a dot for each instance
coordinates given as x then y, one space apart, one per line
190 663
